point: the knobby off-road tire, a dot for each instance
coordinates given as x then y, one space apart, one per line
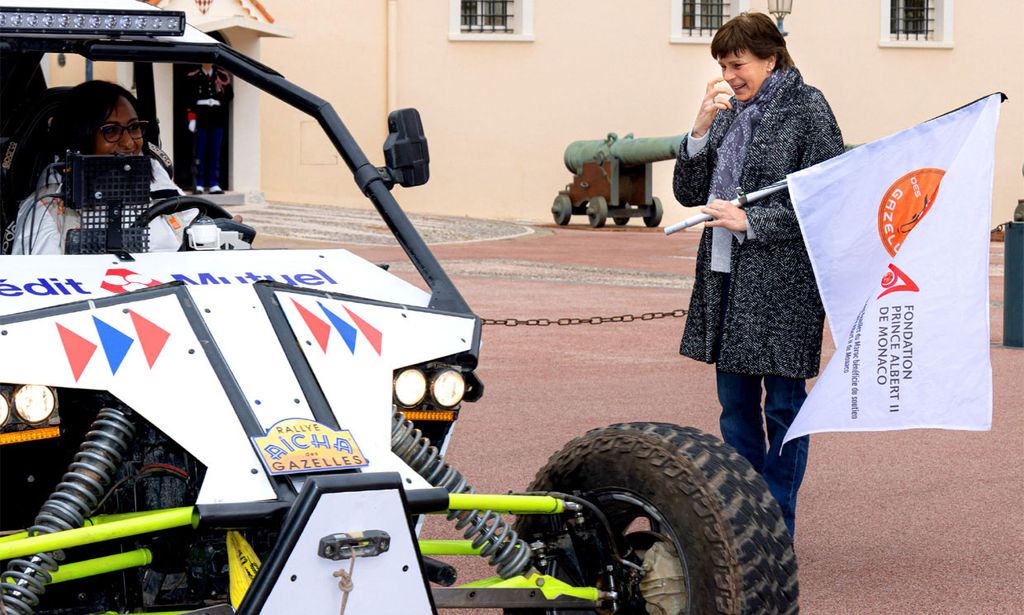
736 551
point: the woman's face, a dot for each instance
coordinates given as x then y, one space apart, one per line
124 116
745 73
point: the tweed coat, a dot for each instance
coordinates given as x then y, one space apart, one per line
774 319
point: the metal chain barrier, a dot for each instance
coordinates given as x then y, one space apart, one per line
593 320
600 320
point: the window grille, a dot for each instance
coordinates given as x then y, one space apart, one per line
703 17
488 16
912 20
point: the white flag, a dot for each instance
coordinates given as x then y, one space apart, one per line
898 235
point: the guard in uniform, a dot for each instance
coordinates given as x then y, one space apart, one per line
210 90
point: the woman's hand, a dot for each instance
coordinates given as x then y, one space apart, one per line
713 103
726 215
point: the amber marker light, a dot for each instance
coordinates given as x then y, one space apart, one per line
29 435
430 415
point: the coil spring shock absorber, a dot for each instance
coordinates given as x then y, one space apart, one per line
495 538
77 495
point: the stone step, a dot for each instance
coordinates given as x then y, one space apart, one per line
226 199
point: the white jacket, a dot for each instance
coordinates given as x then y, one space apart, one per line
43 221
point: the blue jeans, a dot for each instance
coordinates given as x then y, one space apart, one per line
742 428
208 144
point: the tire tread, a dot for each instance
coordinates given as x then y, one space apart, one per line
755 568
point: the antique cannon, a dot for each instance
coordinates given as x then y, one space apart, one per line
613 178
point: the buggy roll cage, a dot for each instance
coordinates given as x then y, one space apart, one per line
444 295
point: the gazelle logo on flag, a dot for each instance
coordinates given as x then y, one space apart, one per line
906 201
903 275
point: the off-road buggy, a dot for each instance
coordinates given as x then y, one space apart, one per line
210 431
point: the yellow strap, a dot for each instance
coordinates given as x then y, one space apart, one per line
243 564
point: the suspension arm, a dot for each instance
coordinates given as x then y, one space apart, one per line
143 523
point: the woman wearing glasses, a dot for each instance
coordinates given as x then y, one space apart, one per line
97 117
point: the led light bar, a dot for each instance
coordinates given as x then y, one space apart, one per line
112 23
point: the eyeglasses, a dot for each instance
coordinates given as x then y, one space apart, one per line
113 131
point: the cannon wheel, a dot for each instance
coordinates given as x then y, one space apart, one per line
654 219
561 210
597 211
621 220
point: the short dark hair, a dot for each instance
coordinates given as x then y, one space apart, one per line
85 108
753 32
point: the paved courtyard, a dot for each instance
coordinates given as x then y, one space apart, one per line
922 521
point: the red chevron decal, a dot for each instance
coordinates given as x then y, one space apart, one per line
371 334
320 329
77 349
151 337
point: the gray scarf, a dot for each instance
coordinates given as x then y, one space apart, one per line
732 153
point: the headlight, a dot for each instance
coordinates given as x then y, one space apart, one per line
34 403
448 388
410 387
5 410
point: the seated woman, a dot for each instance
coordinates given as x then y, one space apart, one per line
97 117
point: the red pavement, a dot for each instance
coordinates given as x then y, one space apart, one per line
922 521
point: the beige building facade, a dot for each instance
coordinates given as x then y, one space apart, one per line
499 109
503 89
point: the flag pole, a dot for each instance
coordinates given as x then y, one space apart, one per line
740 201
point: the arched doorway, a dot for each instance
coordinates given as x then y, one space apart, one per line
184 141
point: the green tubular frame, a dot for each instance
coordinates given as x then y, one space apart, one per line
512 504
112 527
97 520
130 524
448 547
102 565
517 505
548 585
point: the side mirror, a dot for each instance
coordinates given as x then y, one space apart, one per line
405 150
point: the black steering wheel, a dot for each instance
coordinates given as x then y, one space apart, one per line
175 204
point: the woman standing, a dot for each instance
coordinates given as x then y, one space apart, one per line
755 310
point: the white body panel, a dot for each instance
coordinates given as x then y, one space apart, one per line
358 381
180 394
179 391
29 282
389 583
